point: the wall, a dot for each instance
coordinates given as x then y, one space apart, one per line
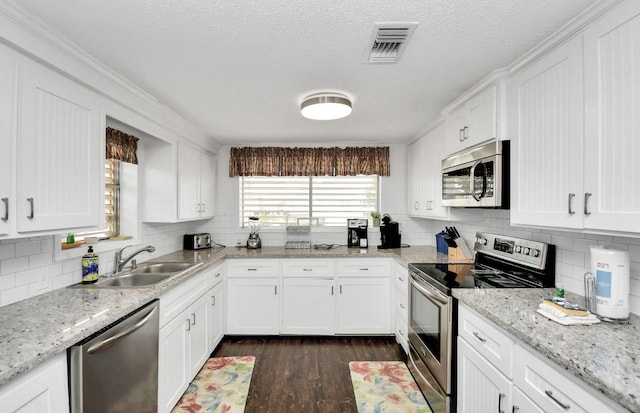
28 267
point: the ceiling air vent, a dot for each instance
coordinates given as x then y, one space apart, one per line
388 42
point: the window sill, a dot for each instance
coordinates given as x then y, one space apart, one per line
78 251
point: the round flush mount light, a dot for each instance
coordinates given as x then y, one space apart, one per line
325 106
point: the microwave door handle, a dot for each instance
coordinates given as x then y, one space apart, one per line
472 177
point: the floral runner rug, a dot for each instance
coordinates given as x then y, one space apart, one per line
386 386
221 386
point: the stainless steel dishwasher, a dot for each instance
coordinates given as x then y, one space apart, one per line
116 369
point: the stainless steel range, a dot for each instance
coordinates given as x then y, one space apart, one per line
500 262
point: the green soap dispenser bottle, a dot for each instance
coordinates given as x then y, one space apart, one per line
90 263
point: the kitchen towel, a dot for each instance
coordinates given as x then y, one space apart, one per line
221 386
386 386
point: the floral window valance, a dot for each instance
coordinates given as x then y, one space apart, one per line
121 147
279 161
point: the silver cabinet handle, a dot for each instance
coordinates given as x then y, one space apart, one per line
400 279
500 397
193 315
461 134
30 201
213 300
416 206
364 269
514 409
204 208
483 340
275 289
332 290
587 195
565 406
188 324
569 202
403 306
252 269
340 289
307 269
217 275
465 133
5 201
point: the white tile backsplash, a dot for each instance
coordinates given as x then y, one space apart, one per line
23 276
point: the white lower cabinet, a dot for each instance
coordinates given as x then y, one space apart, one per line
308 306
189 331
253 305
401 307
481 386
498 374
41 390
364 305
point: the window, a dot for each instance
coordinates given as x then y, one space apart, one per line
327 200
111 203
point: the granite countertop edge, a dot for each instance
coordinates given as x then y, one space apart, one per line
602 356
33 330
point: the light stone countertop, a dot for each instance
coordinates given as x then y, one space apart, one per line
35 329
604 356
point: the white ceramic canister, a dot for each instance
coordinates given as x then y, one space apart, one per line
612 278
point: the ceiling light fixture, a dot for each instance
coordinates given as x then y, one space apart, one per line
325 106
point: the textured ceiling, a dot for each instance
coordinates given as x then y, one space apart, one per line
239 69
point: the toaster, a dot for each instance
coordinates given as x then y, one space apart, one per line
197 241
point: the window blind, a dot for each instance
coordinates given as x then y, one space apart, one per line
327 200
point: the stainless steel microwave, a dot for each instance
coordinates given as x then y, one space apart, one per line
477 177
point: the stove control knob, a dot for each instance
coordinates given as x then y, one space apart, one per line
535 252
518 249
481 241
525 251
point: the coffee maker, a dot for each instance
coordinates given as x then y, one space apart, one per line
389 233
357 233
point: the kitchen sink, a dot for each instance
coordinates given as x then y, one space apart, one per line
144 275
162 267
132 280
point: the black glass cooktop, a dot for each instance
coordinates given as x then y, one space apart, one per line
448 276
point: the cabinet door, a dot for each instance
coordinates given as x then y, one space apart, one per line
456 133
7 116
308 306
482 117
547 140
253 305
207 186
214 316
42 390
433 153
612 124
60 153
173 359
481 387
198 335
415 207
188 182
364 306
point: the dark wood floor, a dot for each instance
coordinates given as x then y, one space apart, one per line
305 374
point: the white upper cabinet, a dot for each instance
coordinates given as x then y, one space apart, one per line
612 122
575 146
424 178
196 183
474 121
547 140
7 76
52 157
60 152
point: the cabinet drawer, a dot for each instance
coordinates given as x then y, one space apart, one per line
551 389
253 268
355 267
401 279
492 343
402 304
215 275
324 268
178 299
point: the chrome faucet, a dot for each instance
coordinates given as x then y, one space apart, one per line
121 262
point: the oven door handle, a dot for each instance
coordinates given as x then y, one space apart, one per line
429 291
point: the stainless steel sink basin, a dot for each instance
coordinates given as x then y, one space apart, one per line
144 275
132 280
162 267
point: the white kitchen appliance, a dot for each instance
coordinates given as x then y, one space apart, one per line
607 285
